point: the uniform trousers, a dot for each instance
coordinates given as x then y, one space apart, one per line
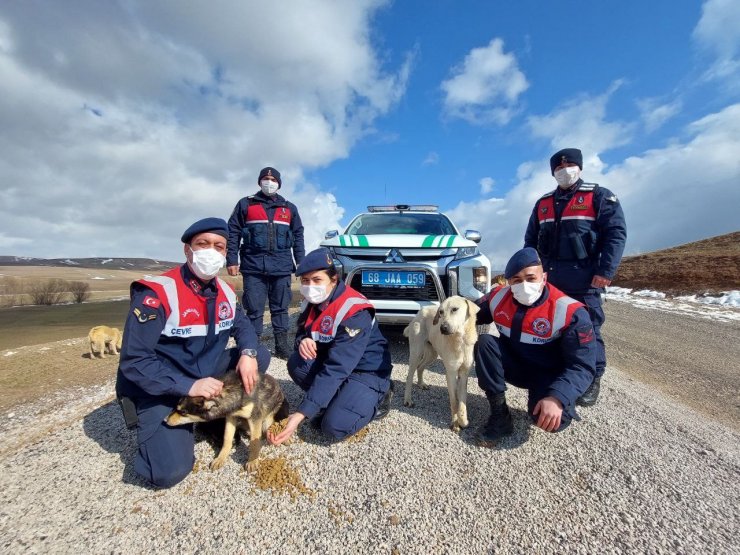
166 453
496 364
257 289
596 312
355 402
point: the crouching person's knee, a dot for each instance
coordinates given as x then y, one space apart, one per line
164 462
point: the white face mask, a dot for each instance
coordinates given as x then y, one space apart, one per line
269 187
567 176
207 263
527 292
315 294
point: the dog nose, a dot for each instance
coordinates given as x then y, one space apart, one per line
445 329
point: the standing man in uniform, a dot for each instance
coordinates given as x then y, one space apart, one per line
174 344
270 232
579 231
546 345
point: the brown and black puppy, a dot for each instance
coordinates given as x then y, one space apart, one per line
254 413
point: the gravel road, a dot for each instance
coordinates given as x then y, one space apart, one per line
641 472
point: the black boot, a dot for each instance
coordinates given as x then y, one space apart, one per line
385 405
591 395
499 422
281 345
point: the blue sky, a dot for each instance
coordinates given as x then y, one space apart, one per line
126 121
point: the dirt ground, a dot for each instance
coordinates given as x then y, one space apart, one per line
709 266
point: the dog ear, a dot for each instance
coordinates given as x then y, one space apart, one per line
209 404
473 308
436 318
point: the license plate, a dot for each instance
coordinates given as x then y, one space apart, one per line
383 278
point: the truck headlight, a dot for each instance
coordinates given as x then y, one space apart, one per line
480 278
466 252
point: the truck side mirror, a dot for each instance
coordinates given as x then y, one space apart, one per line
472 235
331 234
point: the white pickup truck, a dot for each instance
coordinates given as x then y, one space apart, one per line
405 257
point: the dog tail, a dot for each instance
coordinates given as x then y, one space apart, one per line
412 328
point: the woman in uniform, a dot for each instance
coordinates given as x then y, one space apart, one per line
341 360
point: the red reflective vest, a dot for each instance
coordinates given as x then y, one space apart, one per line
541 324
580 206
323 325
256 214
186 311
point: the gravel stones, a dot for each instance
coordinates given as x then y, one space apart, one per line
638 473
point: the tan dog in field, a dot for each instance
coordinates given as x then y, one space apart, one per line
447 331
102 339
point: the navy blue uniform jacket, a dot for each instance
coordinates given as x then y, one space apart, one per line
267 249
152 364
363 351
567 364
602 239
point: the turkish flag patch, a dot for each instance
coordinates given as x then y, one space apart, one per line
585 336
151 301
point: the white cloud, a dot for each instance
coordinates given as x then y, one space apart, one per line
486 86
683 192
192 102
655 113
582 123
432 159
718 32
486 185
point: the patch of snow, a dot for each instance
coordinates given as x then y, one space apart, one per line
98 277
649 293
10 353
72 262
725 308
106 261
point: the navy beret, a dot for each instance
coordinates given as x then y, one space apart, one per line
320 259
212 225
272 172
522 259
572 155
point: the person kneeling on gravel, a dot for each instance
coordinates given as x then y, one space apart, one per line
174 344
341 359
546 345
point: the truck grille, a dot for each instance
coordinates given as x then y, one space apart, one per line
427 293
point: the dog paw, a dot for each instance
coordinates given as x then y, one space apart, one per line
408 403
462 422
251 466
455 427
216 464
424 386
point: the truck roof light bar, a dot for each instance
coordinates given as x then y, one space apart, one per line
404 208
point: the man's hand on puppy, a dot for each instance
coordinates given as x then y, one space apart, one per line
550 412
247 369
307 348
293 422
206 387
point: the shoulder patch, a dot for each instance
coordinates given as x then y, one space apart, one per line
143 317
353 331
585 335
612 198
151 301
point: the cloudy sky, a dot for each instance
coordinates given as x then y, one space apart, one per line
123 122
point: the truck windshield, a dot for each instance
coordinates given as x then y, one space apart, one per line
406 223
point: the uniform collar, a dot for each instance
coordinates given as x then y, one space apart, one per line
194 282
262 197
563 193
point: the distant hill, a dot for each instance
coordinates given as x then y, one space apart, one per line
143 264
707 266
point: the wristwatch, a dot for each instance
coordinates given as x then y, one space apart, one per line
249 352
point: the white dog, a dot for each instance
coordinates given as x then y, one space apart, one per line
447 331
